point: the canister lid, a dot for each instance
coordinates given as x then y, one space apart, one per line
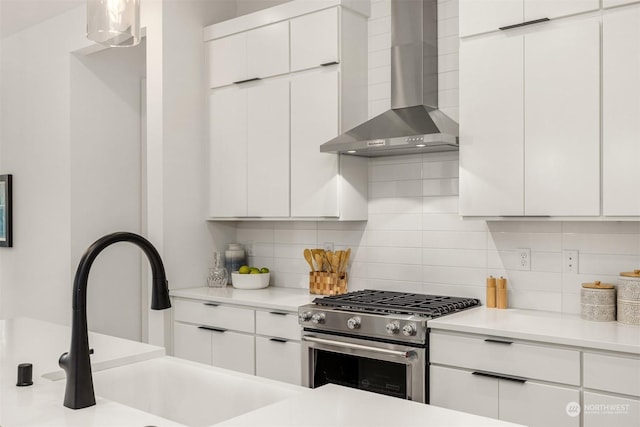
634 273
597 285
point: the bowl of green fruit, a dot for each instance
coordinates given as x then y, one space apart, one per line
250 277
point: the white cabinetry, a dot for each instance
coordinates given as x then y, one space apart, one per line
481 16
529 122
249 340
518 382
255 54
612 3
265 135
621 109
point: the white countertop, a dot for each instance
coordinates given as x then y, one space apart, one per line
272 298
556 328
332 405
41 343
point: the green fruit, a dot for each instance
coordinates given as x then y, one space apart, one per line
254 271
244 269
264 270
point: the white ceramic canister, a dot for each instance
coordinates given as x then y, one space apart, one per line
234 258
629 298
598 302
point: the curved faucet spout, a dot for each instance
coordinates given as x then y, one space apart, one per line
76 363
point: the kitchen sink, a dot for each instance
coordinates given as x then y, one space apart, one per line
188 393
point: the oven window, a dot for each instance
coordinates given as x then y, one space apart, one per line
378 376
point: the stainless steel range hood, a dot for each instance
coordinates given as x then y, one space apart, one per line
414 124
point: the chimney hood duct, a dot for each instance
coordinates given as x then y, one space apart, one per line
414 124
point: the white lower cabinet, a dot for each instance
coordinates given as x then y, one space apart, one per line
604 410
250 340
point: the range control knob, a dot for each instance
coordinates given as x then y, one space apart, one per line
304 316
393 328
353 323
318 318
409 329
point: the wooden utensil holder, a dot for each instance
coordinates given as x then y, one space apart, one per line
324 283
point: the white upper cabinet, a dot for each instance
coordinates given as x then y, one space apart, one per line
621 112
612 3
255 54
314 39
562 120
491 126
481 16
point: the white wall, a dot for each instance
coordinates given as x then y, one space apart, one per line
415 240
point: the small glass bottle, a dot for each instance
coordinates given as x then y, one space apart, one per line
218 275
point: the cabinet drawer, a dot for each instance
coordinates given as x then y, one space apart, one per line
603 410
191 343
462 391
215 315
278 360
277 324
504 356
232 350
612 373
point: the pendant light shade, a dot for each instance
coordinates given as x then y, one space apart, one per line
114 23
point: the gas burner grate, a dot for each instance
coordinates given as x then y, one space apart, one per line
388 302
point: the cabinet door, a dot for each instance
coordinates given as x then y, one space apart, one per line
612 3
537 405
462 391
314 120
621 110
191 343
562 120
314 39
227 60
268 50
481 16
228 152
279 360
601 409
491 126
536 9
268 149
232 350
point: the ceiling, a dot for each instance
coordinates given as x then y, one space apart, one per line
16 15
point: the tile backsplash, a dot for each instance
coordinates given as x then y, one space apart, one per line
416 241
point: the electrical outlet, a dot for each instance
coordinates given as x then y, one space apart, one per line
328 246
525 259
570 257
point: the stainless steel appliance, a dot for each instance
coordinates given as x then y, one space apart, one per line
372 340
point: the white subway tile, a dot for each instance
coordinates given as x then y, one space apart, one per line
448 27
452 112
455 290
606 264
396 172
393 205
525 226
379 42
403 272
341 237
447 9
303 237
449 44
255 234
476 258
445 156
396 255
378 106
396 221
407 239
601 227
448 98
454 239
410 188
379 26
295 225
448 62
532 280
541 242
620 244
443 169
571 303
531 300
572 283
440 187
261 249
379 75
451 222
379 91
380 58
342 225
454 275
440 205
546 261
448 80
380 8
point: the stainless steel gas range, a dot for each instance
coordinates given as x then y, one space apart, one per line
372 340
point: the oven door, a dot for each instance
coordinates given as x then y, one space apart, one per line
387 368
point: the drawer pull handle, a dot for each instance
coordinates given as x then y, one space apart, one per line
211 304
520 380
498 341
278 313
326 64
209 328
239 82
523 24
278 340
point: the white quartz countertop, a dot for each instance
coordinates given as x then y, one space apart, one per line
333 405
272 298
557 328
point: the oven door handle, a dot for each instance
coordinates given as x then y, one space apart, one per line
384 351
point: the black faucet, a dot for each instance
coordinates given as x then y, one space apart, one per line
76 363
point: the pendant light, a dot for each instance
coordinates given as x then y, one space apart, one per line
114 23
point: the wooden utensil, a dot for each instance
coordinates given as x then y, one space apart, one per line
335 263
319 261
309 258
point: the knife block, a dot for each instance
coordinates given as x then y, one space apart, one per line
324 283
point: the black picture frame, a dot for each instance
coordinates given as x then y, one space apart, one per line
6 211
